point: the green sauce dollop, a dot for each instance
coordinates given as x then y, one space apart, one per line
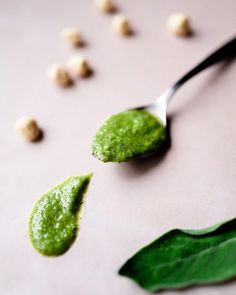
127 135
53 223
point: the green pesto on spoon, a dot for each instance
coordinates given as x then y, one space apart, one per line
53 223
141 131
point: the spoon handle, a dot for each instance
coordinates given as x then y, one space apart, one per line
226 51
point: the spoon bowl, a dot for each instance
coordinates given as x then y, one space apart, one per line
141 131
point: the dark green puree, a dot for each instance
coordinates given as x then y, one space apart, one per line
127 135
53 223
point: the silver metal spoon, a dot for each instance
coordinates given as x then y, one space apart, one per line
159 106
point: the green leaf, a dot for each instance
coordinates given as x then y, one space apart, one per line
182 258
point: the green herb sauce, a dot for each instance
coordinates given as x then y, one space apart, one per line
127 135
53 223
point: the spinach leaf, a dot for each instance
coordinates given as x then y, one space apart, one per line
182 258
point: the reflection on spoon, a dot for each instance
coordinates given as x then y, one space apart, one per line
141 131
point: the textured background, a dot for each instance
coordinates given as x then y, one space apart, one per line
192 186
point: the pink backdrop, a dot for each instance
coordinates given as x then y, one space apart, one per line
130 204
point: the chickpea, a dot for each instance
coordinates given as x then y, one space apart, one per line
178 24
72 36
28 127
121 25
59 75
79 66
105 6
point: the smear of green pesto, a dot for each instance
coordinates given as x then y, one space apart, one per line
127 135
53 223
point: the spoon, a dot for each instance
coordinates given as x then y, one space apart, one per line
140 132
159 106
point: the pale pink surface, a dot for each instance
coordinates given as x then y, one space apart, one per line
128 205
